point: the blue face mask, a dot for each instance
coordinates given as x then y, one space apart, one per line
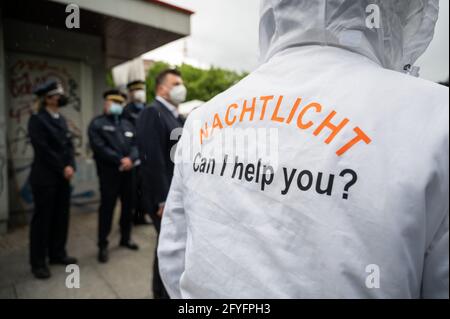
116 109
139 106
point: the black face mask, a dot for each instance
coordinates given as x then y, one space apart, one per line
63 101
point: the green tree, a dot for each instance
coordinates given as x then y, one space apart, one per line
110 79
201 84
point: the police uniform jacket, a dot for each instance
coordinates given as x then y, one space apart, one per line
53 148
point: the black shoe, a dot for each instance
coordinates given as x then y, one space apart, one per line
129 244
64 261
103 255
41 272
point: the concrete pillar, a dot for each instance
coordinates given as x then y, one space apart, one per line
4 205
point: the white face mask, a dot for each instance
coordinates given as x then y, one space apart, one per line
140 96
178 94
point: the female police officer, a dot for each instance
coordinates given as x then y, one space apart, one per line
52 169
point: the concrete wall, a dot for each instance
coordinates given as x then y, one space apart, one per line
69 44
4 207
33 53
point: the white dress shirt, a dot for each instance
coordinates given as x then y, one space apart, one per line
55 115
172 108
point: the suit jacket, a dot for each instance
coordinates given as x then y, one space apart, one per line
154 127
53 148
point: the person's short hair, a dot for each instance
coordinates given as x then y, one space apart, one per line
162 76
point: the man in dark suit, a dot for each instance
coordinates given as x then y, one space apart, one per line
154 128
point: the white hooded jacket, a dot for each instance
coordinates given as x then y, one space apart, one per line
348 193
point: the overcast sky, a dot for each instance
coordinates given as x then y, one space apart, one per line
225 34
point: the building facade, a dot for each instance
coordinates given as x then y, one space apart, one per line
35 45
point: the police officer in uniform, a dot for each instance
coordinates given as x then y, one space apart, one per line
138 97
112 139
52 169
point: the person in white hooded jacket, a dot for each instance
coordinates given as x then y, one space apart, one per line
353 199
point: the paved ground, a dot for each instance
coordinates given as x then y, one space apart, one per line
127 275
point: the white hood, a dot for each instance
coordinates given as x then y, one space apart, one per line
406 28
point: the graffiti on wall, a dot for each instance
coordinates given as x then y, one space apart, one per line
25 73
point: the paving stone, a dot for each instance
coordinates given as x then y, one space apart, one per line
127 275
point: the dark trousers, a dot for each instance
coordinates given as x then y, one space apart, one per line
159 291
114 185
138 204
50 223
